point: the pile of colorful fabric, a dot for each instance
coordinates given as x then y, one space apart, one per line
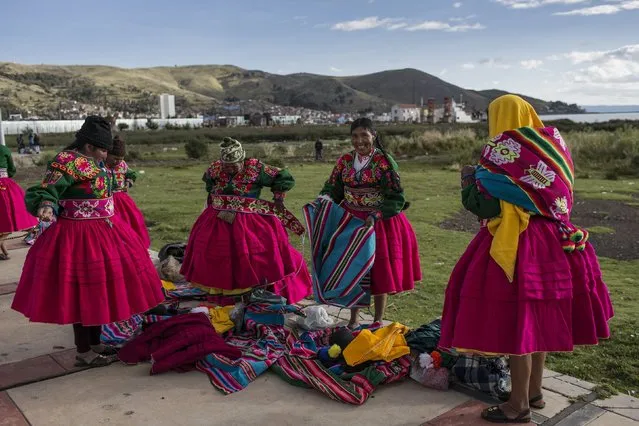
435 369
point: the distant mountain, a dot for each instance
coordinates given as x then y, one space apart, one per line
611 108
41 89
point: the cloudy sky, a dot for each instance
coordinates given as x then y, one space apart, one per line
584 51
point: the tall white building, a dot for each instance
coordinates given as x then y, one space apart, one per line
167 106
406 113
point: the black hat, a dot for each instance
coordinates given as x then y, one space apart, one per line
96 131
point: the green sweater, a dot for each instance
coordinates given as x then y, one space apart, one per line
249 182
479 204
6 161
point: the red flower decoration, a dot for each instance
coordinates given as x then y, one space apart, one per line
437 359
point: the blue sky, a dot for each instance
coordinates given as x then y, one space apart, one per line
584 51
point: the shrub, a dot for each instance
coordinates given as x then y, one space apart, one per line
196 149
152 125
123 126
275 162
132 155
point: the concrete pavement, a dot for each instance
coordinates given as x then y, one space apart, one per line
40 386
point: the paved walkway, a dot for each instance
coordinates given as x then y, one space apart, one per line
40 386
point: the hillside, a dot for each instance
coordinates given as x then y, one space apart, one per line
44 89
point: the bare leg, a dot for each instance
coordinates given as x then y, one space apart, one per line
520 371
537 373
380 306
3 249
354 322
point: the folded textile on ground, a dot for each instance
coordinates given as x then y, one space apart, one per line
300 367
176 344
260 347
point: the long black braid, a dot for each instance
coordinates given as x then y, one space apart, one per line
367 123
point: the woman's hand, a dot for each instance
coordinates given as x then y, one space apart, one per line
45 214
370 221
227 216
279 206
467 176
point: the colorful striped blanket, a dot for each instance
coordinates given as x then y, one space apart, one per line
342 251
299 367
261 347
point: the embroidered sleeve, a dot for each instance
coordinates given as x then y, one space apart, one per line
479 204
392 190
211 176
334 185
54 184
279 180
76 166
129 175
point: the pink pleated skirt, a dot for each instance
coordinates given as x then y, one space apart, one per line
128 211
557 300
13 212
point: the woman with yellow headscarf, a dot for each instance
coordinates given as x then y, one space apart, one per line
530 282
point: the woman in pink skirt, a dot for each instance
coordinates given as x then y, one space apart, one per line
14 216
529 283
239 242
125 207
85 269
366 183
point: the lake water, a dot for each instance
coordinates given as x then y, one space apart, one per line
592 118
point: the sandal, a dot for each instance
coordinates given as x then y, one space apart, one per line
537 402
109 351
4 256
98 361
496 415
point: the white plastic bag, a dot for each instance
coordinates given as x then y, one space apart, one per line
316 318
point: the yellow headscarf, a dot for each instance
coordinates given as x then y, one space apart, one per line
509 112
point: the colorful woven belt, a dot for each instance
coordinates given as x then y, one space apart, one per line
255 205
87 209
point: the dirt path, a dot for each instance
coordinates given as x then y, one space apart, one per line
622 243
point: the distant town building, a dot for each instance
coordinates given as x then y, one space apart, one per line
286 120
406 113
167 106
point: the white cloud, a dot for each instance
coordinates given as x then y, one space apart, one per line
334 69
457 5
531 64
604 9
530 4
468 66
392 24
444 26
364 24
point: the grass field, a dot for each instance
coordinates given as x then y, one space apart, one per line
172 198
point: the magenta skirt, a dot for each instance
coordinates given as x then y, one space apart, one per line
253 251
13 212
397 267
88 272
128 211
557 300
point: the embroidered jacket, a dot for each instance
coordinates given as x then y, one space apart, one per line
375 188
6 161
70 176
249 182
123 177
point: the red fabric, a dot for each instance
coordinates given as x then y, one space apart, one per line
556 301
13 212
397 267
87 271
128 211
252 251
176 344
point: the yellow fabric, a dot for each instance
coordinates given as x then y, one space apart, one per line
386 344
168 285
220 291
221 318
512 222
509 112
